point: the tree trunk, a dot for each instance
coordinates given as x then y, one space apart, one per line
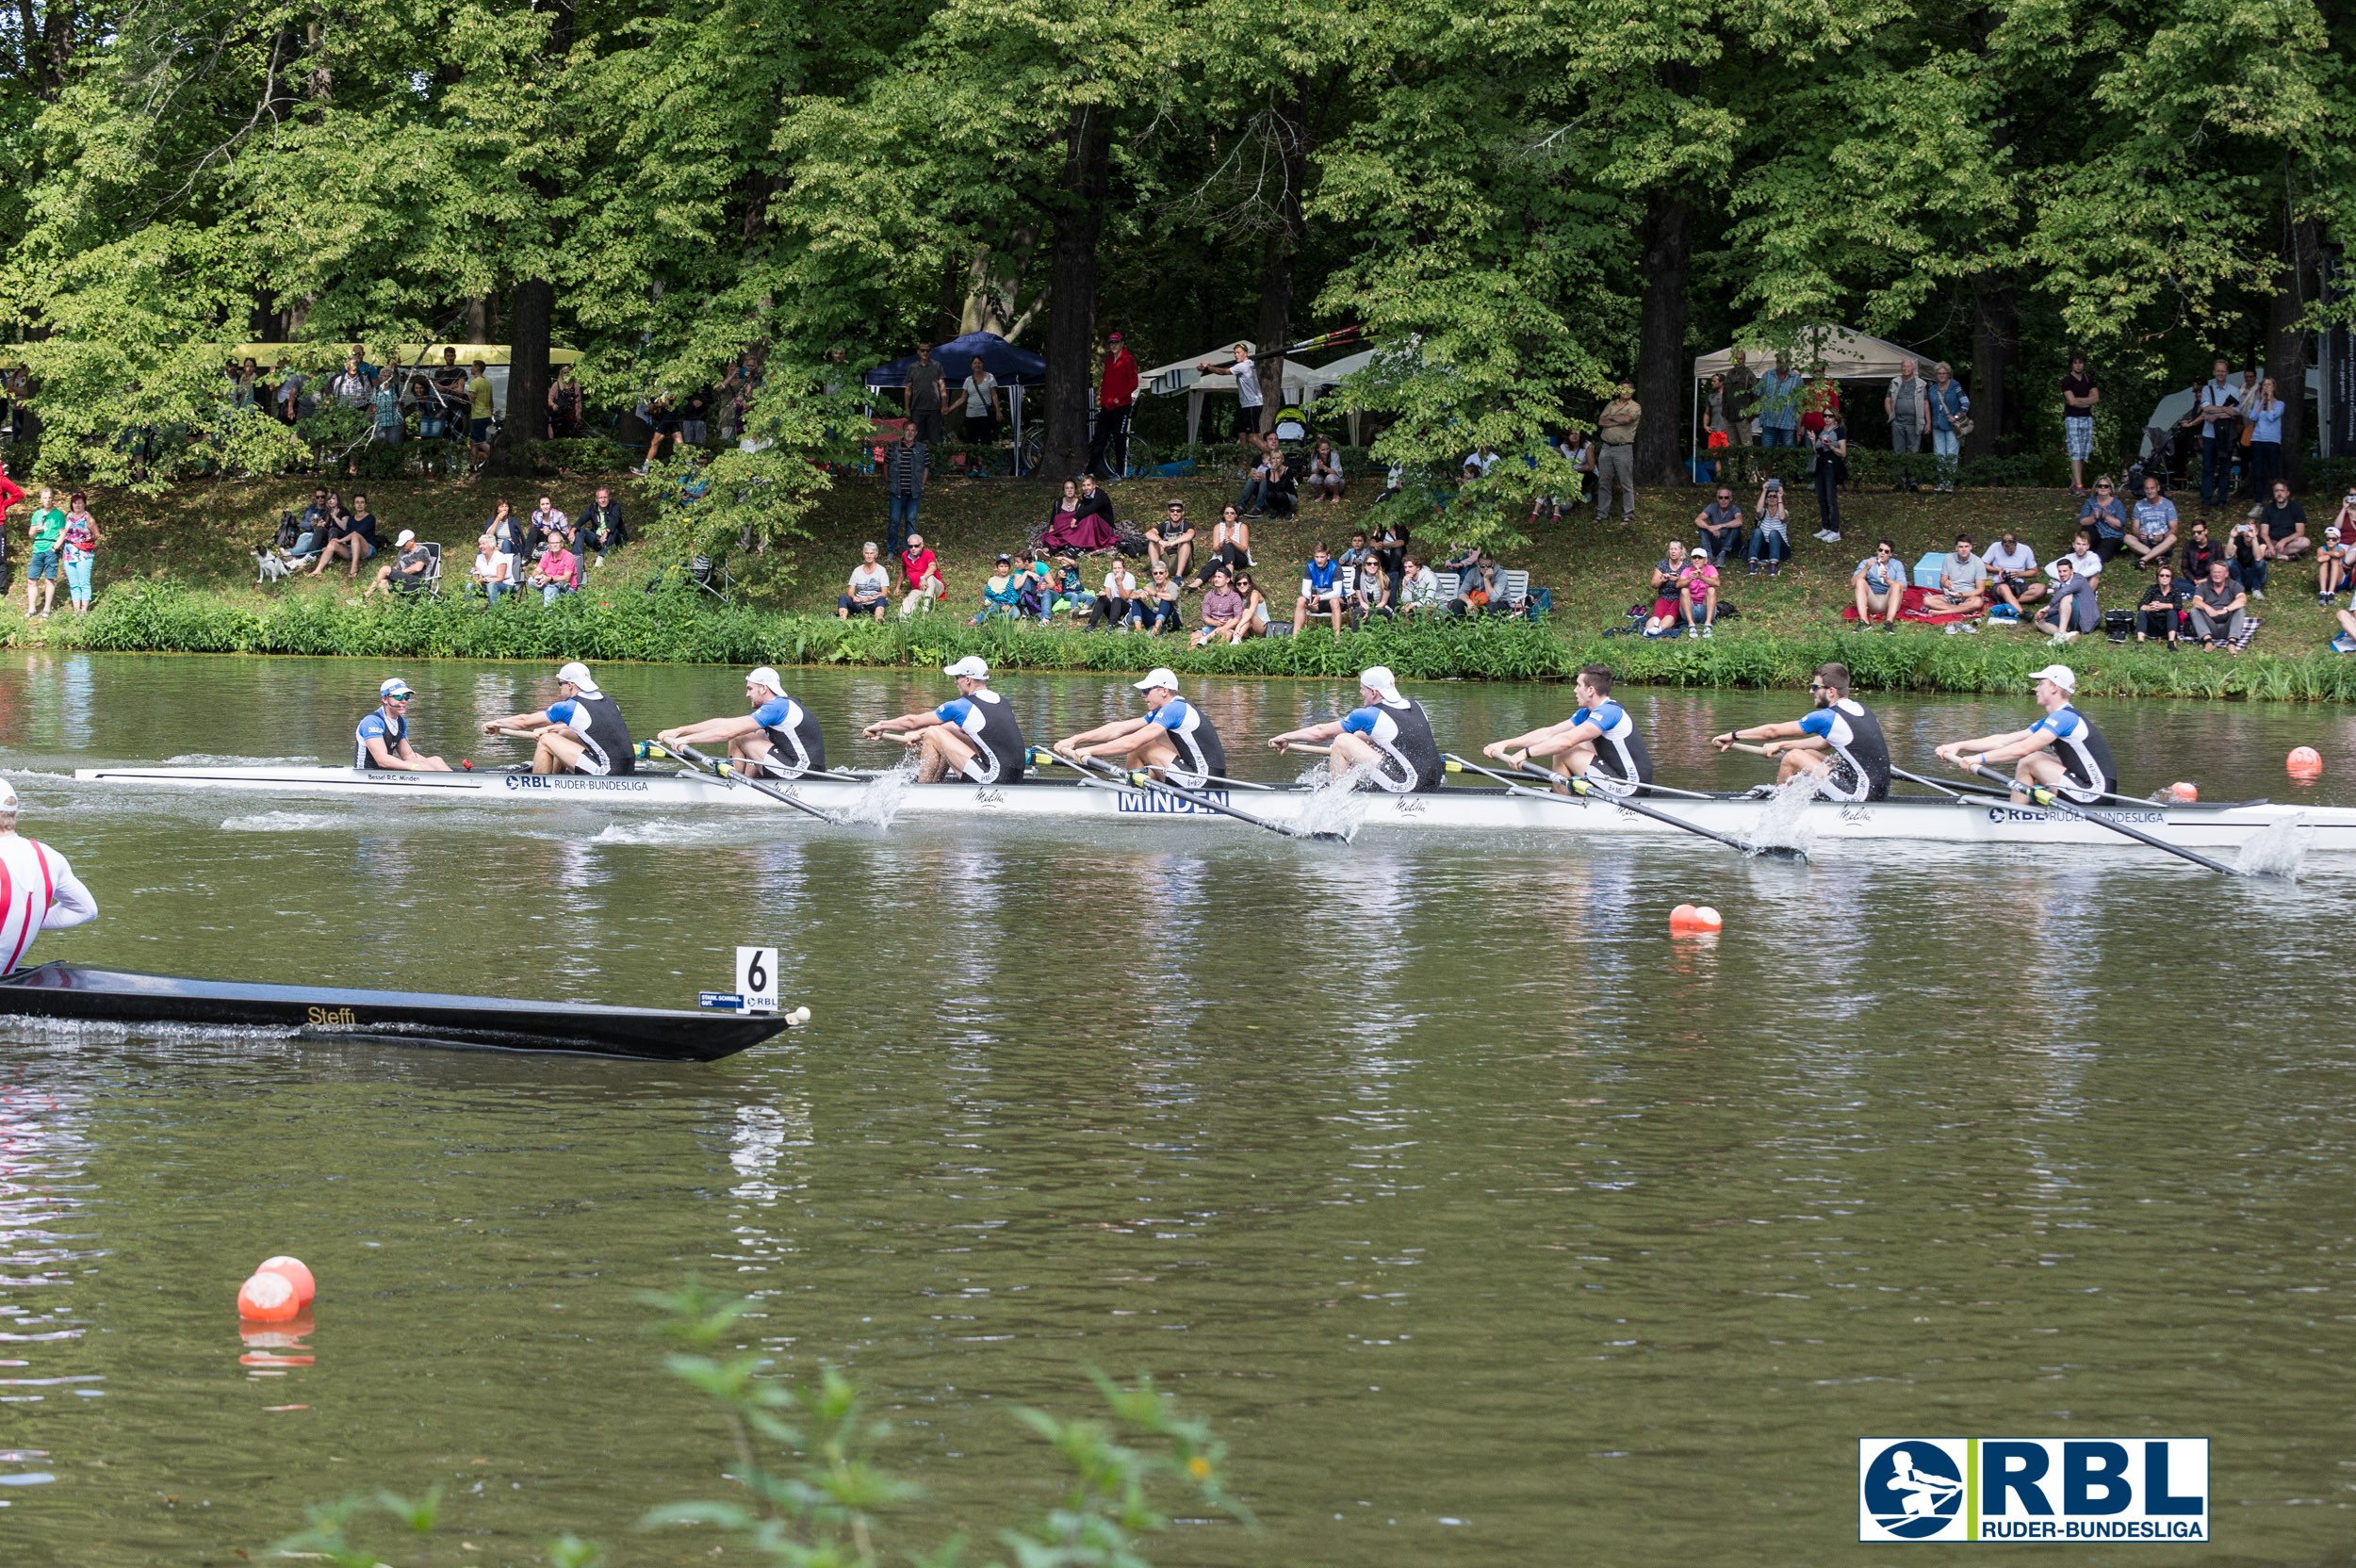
2286 339
1274 328
479 320
1071 276
1663 387
949 314
1995 333
529 308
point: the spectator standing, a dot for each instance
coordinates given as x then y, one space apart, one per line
48 527
1820 404
565 405
695 422
1771 540
353 387
1715 412
449 389
1741 402
1880 584
79 542
1115 401
2163 608
2265 414
661 412
480 412
295 401
1950 403
1779 406
2217 412
602 525
1828 465
921 396
2154 534
1907 401
2219 610
981 405
2080 394
905 465
871 587
920 575
1615 456
1247 398
388 426
2103 518
1718 526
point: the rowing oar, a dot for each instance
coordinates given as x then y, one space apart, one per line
1042 756
1581 786
2044 796
730 776
1105 770
1542 776
1896 772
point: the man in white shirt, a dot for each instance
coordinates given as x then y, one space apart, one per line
870 586
2217 415
2081 559
2011 577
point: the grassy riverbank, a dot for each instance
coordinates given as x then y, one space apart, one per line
175 575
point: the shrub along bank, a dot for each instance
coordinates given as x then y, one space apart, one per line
675 628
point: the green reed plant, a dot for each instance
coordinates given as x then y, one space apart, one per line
812 1492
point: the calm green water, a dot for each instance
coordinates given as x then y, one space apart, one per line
1489 1224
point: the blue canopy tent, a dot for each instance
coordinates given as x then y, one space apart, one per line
1015 369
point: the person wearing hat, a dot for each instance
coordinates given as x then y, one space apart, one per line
407 571
1598 743
1116 399
43 894
1841 742
2062 751
973 735
1173 741
779 736
581 731
1386 733
382 738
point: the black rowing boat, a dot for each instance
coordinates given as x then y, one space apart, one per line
387 1017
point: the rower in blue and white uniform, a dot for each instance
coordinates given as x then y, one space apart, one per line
1173 741
1598 743
2062 751
39 890
1387 734
380 741
581 731
1840 742
972 736
777 737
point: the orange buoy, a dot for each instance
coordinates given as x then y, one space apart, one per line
2305 762
1682 917
1687 918
2182 791
1706 919
268 1299
296 1275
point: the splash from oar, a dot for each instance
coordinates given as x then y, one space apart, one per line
2278 850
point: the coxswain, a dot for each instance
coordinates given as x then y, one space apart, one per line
778 737
581 731
1386 732
973 735
382 738
1598 743
39 890
1840 742
1172 739
2062 752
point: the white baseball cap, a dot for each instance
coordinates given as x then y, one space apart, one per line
766 676
395 687
7 795
2060 674
969 667
1161 678
408 536
578 674
1379 679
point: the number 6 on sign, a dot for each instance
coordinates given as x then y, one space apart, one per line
757 978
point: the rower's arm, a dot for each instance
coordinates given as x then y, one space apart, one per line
1119 730
2013 748
711 731
1309 735
72 904
1758 732
904 722
518 720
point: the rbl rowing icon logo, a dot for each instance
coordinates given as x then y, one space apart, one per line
1914 1491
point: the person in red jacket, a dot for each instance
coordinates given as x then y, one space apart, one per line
1116 399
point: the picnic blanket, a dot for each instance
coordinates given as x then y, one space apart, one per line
1910 609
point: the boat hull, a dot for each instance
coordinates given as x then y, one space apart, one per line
398 1018
1821 824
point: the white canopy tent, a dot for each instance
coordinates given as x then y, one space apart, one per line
1299 384
2176 407
1845 353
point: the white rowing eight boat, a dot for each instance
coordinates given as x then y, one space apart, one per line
1927 819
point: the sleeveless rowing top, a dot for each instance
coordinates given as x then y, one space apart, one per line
38 891
1621 759
1861 757
987 722
391 731
1200 754
1398 730
597 720
795 746
2085 756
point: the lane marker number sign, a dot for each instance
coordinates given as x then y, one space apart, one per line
757 978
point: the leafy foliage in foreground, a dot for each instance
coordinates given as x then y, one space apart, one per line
813 1492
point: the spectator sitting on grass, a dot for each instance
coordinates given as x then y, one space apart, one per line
2103 518
871 587
557 571
1668 584
1697 596
407 571
2012 575
1067 590
1718 526
2199 551
1771 541
920 574
2154 534
2073 611
1030 587
1282 494
2219 610
1161 602
2081 559
351 537
2336 555
1962 584
1880 585
1223 611
1419 589
999 592
1325 471
2163 607
1113 606
1369 595
1321 591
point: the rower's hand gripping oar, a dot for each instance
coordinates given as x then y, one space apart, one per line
2044 796
1581 786
1105 770
730 776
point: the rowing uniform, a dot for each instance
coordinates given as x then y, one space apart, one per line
1621 760
1200 754
1411 758
378 727
795 747
38 892
605 743
1861 757
2087 772
986 721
